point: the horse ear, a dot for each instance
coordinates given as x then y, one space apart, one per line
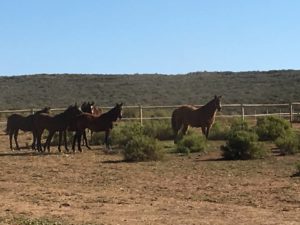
216 97
220 96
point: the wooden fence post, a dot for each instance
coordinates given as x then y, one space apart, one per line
243 112
141 114
291 112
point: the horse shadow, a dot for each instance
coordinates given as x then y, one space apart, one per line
27 153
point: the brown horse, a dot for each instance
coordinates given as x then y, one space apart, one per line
104 122
59 122
96 111
203 117
86 107
16 122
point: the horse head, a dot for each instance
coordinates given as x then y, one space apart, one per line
46 110
87 107
217 102
117 111
73 111
96 111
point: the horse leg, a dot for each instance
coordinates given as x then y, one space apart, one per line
79 141
85 140
59 140
65 140
184 129
38 141
34 140
203 130
207 131
74 141
16 139
176 127
107 144
48 141
10 140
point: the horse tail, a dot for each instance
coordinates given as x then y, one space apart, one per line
8 126
176 124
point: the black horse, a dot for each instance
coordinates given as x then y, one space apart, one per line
16 122
59 122
104 122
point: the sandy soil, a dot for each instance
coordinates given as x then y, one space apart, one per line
97 188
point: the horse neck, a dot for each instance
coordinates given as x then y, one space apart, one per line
66 116
209 107
111 114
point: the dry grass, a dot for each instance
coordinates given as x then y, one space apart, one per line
97 188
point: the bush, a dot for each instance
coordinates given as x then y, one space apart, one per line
218 132
142 148
123 133
271 127
192 142
239 125
161 130
243 145
288 143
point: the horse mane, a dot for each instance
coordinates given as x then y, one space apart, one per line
113 113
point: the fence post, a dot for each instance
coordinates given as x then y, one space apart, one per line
291 112
243 112
141 114
32 111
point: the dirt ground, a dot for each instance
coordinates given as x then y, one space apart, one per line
97 188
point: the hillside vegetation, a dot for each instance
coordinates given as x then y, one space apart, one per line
60 90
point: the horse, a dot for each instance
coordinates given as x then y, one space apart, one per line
86 107
104 122
203 117
59 122
16 122
96 111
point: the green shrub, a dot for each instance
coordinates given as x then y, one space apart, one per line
218 132
142 148
161 130
288 143
123 133
192 142
271 127
243 145
239 125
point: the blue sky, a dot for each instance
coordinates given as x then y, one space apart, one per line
148 36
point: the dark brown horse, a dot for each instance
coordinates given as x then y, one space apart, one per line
104 122
203 117
16 122
59 122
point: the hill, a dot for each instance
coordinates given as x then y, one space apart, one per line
60 90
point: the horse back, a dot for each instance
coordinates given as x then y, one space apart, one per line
92 122
17 121
46 121
191 115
